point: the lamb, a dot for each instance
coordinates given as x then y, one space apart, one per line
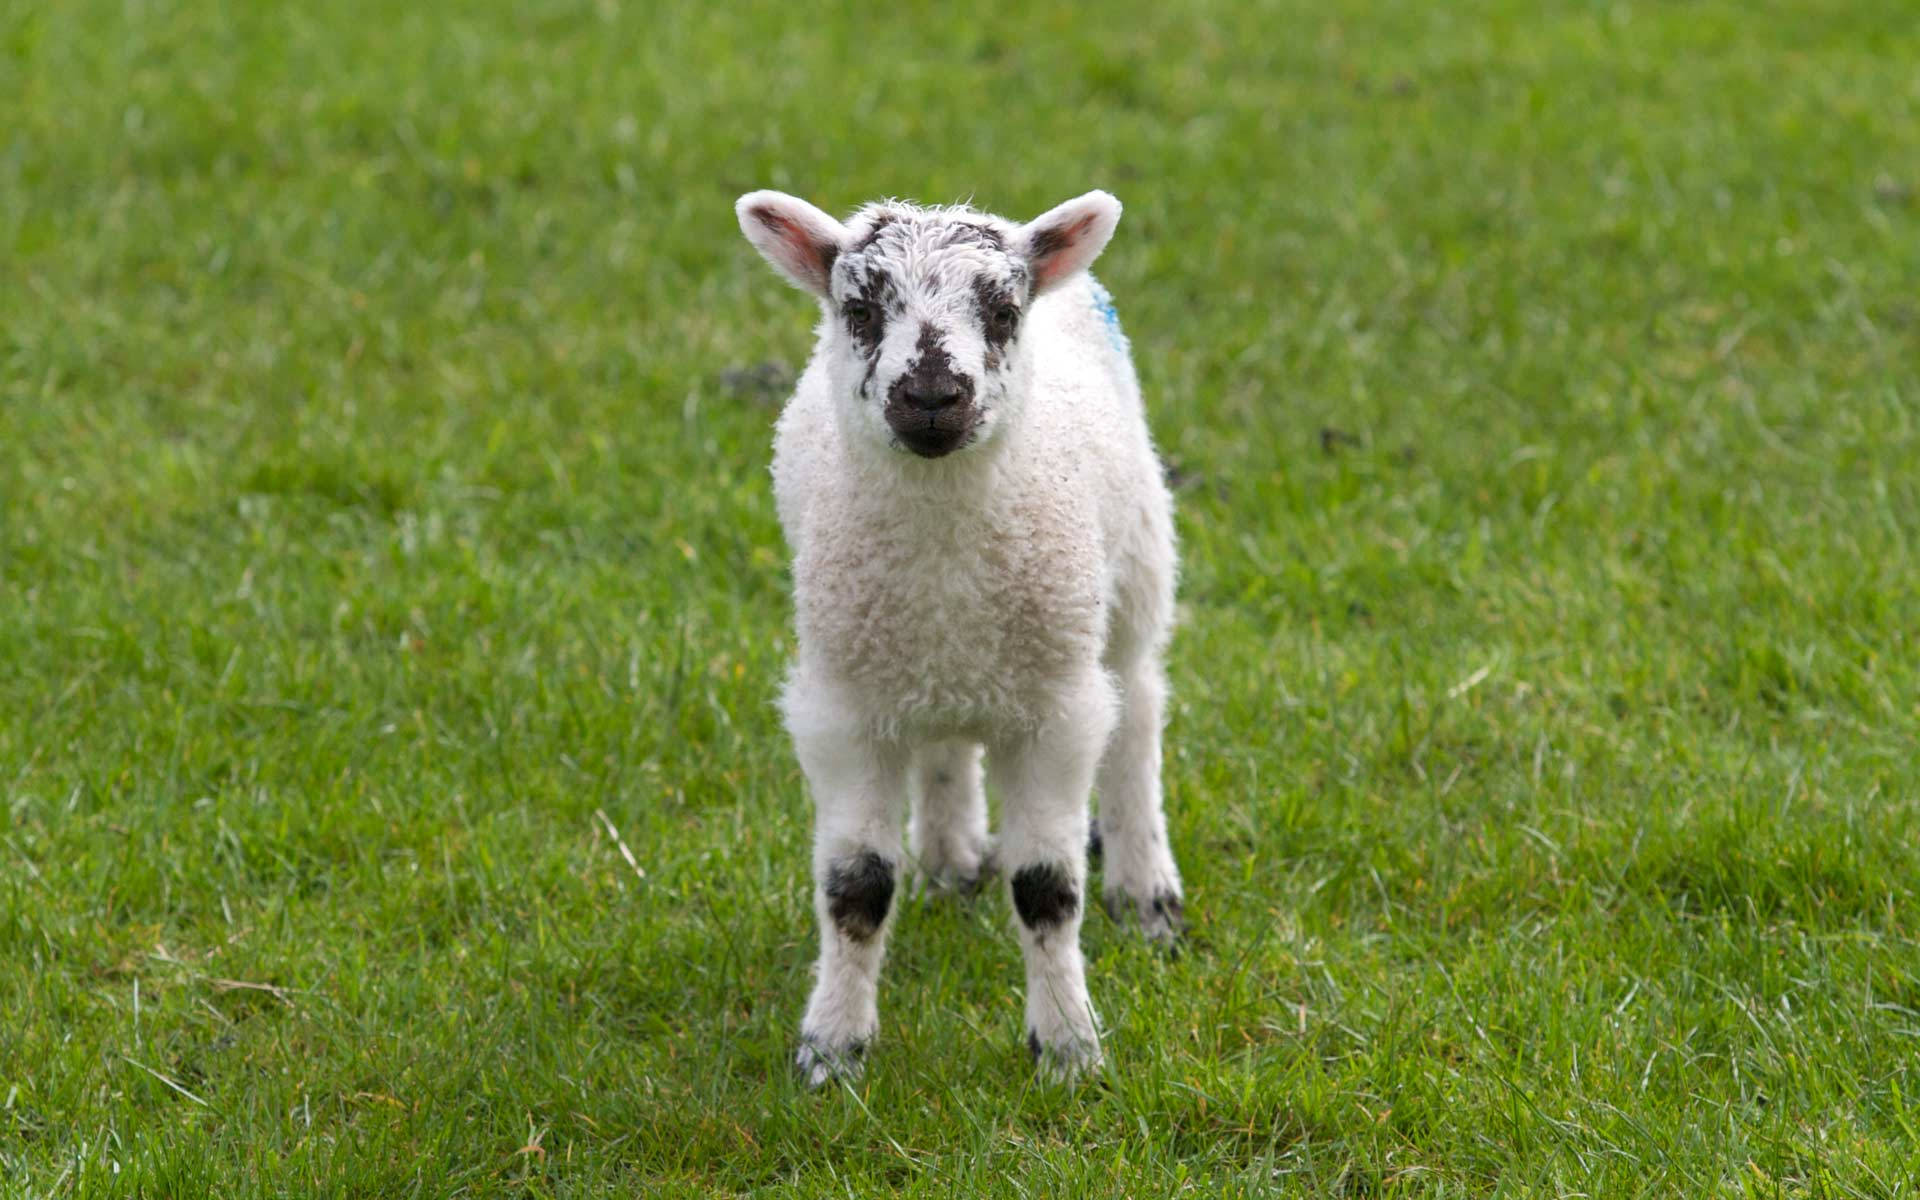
983 563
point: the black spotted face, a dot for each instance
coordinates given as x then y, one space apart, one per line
998 305
931 305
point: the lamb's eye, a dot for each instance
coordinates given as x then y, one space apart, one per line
859 313
1005 316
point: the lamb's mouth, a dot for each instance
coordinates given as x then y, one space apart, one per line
929 438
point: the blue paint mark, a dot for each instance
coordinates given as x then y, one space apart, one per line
1103 304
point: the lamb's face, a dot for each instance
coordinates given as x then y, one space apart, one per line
925 307
926 311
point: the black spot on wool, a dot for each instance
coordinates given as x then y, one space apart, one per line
928 354
873 235
1043 895
875 289
859 892
990 297
930 396
967 231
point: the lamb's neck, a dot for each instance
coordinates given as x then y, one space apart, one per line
965 481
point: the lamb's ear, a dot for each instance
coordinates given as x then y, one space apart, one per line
798 239
1064 241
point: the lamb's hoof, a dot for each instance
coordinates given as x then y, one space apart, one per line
818 1062
953 870
960 874
962 884
1161 917
1065 1064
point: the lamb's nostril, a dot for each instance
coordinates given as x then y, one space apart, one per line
930 385
934 395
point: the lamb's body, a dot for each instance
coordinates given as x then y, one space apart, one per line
1006 586
962 600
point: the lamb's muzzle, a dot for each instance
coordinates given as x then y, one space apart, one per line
930 406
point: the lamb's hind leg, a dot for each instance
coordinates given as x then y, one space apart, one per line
1142 883
947 835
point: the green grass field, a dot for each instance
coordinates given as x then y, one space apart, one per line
383 448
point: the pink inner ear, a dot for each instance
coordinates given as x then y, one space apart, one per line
1050 247
787 231
780 225
804 252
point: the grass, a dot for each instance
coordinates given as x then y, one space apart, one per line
384 457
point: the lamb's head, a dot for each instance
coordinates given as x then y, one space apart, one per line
925 306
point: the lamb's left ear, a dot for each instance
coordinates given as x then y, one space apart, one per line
798 239
1064 241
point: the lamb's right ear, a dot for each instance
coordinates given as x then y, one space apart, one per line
798 239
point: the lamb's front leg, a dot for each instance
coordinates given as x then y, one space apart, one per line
858 787
1043 781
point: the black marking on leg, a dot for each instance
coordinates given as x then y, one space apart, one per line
1033 1045
1168 905
1043 895
859 892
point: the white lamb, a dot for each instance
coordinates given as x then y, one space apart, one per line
983 558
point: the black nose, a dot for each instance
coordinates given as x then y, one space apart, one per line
933 394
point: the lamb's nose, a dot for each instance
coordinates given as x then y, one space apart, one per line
933 394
